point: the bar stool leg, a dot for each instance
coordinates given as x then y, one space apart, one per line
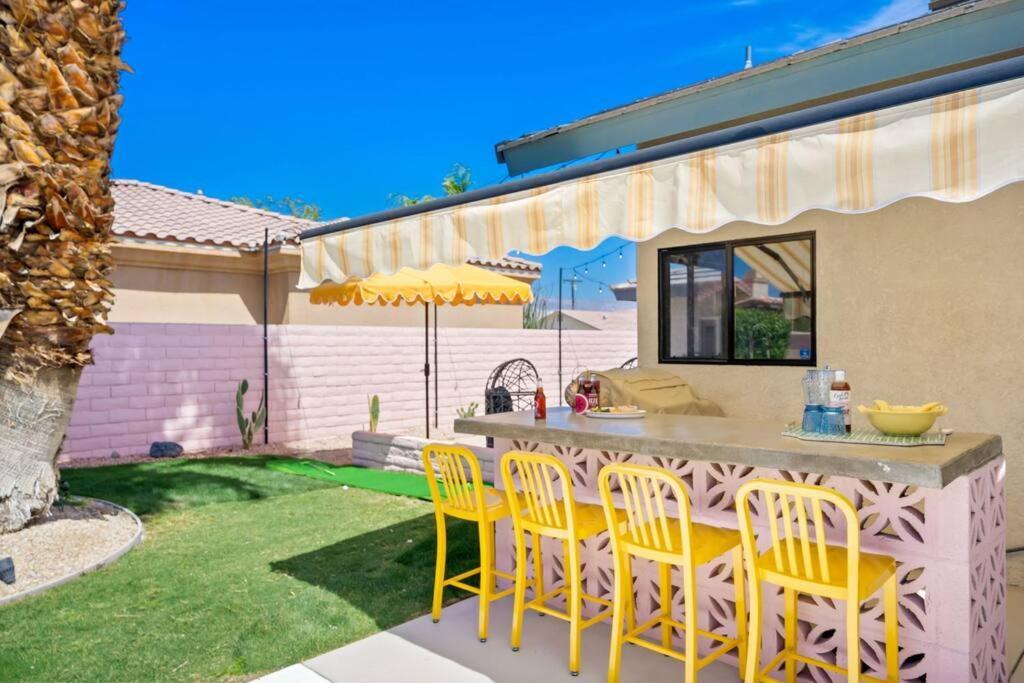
852 641
754 642
629 596
519 604
665 578
442 552
538 567
622 594
690 595
486 576
892 650
740 590
575 606
790 609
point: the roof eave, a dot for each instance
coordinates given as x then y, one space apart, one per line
875 60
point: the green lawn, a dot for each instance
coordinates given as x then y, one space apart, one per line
244 570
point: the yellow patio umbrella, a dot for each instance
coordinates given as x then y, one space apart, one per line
463 285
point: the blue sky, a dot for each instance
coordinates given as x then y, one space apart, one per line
343 103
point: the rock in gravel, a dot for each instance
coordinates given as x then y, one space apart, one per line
7 570
165 449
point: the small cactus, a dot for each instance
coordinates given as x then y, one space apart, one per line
468 411
249 426
374 402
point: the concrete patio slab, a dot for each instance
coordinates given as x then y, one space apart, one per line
449 652
296 673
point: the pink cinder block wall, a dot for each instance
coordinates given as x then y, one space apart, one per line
156 382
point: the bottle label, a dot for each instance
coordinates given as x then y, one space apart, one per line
841 399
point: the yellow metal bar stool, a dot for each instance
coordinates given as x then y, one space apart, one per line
650 533
802 564
464 496
548 509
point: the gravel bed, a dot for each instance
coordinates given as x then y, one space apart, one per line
68 541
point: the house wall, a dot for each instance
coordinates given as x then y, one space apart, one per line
196 285
919 301
171 382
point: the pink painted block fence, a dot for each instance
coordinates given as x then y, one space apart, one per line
170 382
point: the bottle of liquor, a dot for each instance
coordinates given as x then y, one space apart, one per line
540 404
594 394
839 396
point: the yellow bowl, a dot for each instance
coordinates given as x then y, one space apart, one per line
903 420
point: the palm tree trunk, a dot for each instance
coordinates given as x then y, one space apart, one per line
59 77
33 419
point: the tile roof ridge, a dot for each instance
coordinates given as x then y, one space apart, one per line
213 200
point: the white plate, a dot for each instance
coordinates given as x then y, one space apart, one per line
616 416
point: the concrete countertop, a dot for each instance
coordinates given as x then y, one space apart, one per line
745 442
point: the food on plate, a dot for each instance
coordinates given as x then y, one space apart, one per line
616 409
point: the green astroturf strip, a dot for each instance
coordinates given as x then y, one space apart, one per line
395 483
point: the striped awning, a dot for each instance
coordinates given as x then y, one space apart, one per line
786 265
953 148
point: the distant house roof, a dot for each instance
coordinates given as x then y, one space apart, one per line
624 319
149 211
153 211
902 52
506 264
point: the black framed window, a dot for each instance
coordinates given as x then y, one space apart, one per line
744 302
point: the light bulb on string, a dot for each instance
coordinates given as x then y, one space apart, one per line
604 264
620 253
586 270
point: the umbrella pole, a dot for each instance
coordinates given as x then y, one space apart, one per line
426 359
437 400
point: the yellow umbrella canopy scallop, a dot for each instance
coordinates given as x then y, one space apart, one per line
440 284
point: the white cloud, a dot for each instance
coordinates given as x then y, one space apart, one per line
893 12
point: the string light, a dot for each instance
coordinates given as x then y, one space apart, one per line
582 270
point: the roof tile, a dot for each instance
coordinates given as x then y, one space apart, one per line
147 210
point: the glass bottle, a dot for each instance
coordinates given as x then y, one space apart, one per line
540 404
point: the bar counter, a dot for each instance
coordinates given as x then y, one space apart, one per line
746 442
939 510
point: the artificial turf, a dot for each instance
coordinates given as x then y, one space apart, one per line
382 481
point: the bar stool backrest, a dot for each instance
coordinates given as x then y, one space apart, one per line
453 475
647 495
546 489
795 519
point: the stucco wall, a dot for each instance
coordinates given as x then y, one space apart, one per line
919 301
159 284
157 382
152 294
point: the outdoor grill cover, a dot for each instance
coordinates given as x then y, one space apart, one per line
653 390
